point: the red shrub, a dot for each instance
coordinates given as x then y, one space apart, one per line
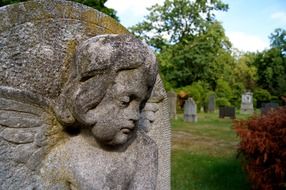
263 144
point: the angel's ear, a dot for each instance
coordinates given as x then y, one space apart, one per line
62 111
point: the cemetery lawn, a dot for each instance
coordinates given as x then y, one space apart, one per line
204 155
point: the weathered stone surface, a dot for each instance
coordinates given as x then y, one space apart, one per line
18 135
38 40
159 130
76 108
246 103
190 110
268 107
172 102
211 104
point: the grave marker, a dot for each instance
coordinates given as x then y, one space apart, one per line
172 102
190 110
211 103
226 111
246 103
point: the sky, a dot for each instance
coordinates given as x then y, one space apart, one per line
248 23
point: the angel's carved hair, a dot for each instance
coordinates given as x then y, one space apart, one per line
103 57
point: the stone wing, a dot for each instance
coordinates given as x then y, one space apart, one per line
154 120
27 131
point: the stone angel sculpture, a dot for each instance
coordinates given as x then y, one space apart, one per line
78 108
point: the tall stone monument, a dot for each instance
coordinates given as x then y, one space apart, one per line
81 103
211 104
246 103
190 110
172 102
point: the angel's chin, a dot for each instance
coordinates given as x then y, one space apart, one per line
120 138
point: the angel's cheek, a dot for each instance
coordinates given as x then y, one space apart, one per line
103 132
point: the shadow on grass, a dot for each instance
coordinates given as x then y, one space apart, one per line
204 172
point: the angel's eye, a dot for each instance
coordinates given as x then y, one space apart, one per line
124 101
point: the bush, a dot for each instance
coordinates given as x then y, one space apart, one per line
263 144
237 89
261 95
222 102
205 102
197 91
223 90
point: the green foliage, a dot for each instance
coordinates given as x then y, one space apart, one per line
224 93
97 4
271 65
261 95
192 47
237 90
271 69
7 2
207 95
221 68
223 89
278 39
222 102
176 20
245 72
166 84
196 59
198 91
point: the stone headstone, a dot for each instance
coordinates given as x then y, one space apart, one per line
157 125
190 110
246 103
211 104
267 107
72 81
226 111
172 102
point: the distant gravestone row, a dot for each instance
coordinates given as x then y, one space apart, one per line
190 107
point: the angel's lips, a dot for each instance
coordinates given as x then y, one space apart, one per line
127 130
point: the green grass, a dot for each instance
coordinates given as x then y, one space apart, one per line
204 155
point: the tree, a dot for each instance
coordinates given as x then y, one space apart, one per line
192 60
278 40
261 96
177 20
245 72
97 4
7 2
223 93
198 91
221 67
271 69
187 38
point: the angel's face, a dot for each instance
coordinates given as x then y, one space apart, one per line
114 120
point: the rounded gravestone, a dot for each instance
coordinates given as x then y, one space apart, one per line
38 44
38 41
